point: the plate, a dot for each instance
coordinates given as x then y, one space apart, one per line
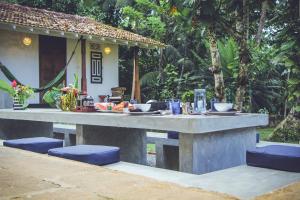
231 113
143 113
108 111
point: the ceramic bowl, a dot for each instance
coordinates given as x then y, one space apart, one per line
223 107
143 107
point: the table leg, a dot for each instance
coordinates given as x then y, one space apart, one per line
132 142
14 129
203 153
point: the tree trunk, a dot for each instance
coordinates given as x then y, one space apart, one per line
160 66
136 88
216 65
264 8
244 55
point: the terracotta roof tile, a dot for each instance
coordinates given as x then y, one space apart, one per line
39 18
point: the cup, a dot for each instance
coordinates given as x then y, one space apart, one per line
175 107
186 108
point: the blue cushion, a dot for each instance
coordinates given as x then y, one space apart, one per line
286 158
173 135
92 154
36 144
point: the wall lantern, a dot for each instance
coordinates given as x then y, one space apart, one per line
107 50
27 41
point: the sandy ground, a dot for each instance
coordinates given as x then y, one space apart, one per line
26 175
291 192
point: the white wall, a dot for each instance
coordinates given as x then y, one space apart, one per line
21 60
75 64
110 71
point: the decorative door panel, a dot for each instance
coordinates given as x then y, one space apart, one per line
96 67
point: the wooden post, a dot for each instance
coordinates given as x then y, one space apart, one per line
83 66
136 88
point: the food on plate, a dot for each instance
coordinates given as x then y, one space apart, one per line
121 106
111 106
103 106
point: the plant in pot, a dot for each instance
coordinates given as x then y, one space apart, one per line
18 92
64 98
187 98
52 96
68 99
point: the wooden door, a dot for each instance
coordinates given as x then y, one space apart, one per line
52 58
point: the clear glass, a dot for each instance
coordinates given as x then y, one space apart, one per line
199 101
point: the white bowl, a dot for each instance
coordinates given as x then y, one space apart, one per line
223 107
143 107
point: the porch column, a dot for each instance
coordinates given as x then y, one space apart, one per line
136 88
83 66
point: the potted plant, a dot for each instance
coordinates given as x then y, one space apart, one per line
68 99
187 99
64 98
19 93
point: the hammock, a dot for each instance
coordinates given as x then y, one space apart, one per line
56 81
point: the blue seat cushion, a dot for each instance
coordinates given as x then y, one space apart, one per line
36 144
92 154
173 135
280 157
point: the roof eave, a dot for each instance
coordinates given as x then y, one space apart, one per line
73 35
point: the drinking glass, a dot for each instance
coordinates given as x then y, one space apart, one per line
175 106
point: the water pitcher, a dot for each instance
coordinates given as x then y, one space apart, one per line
199 101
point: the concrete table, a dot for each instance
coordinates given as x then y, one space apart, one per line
206 143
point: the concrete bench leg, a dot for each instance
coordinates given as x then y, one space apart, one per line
203 153
15 129
132 142
167 156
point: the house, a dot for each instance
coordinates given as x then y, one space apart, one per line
36 44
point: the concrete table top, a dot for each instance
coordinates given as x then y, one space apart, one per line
181 123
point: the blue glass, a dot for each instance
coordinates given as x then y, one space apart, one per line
175 105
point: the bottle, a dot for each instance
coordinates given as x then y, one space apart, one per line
199 100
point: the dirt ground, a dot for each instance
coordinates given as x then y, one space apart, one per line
291 192
26 175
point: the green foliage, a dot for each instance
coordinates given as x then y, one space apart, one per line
5 87
140 18
169 90
274 71
76 83
287 131
188 96
52 95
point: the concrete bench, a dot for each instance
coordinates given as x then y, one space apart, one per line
167 152
66 132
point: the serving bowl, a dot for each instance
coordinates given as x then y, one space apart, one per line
223 107
142 107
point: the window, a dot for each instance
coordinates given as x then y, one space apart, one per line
96 67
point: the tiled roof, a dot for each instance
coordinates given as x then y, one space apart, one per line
44 19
